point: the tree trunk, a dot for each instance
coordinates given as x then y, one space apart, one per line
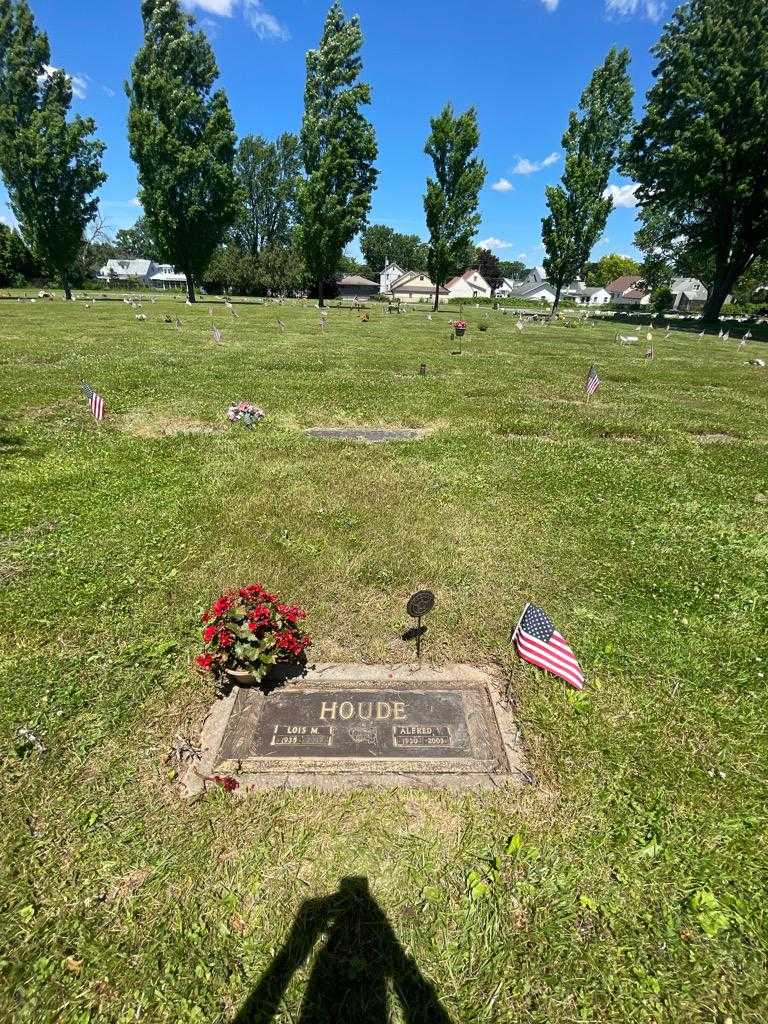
556 303
437 298
65 285
725 278
190 285
320 294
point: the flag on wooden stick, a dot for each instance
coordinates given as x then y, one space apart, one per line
538 642
216 334
95 402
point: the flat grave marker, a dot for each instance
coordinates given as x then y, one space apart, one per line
347 726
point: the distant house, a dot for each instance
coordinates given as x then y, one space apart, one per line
689 293
629 290
537 275
143 273
388 276
415 286
533 292
506 288
593 297
355 287
469 285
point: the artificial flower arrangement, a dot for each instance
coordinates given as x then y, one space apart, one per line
245 412
249 631
459 326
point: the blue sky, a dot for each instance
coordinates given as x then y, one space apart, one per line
522 63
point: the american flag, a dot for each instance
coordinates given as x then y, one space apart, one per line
538 642
216 334
95 402
593 381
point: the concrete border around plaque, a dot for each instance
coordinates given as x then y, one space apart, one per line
347 726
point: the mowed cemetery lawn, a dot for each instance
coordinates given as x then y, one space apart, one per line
627 883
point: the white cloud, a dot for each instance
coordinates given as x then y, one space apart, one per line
526 166
78 83
551 5
494 243
264 24
652 9
135 201
522 256
503 185
622 195
224 8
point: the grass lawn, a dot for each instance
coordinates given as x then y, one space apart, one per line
627 884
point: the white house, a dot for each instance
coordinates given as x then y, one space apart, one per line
415 287
629 290
689 293
506 288
145 273
593 297
535 292
469 285
391 273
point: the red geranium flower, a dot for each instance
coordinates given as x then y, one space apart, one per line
226 639
223 604
208 634
204 661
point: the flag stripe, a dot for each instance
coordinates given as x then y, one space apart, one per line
542 654
546 651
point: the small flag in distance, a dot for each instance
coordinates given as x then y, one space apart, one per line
539 643
95 402
593 381
216 334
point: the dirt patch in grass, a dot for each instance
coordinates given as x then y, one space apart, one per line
606 435
544 438
155 426
715 438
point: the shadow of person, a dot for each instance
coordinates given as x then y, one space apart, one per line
353 971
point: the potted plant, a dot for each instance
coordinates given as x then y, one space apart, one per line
459 328
250 632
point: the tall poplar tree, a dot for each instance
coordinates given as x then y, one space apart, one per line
700 153
338 148
452 196
578 208
51 166
182 138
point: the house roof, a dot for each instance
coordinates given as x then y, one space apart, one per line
355 280
592 291
466 276
686 284
623 284
524 291
127 268
635 293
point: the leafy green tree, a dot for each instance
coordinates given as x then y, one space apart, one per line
662 299
489 266
182 139
382 245
281 269
452 196
338 148
513 269
51 165
136 242
267 175
578 208
17 263
610 267
699 153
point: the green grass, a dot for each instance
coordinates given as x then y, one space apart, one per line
635 890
